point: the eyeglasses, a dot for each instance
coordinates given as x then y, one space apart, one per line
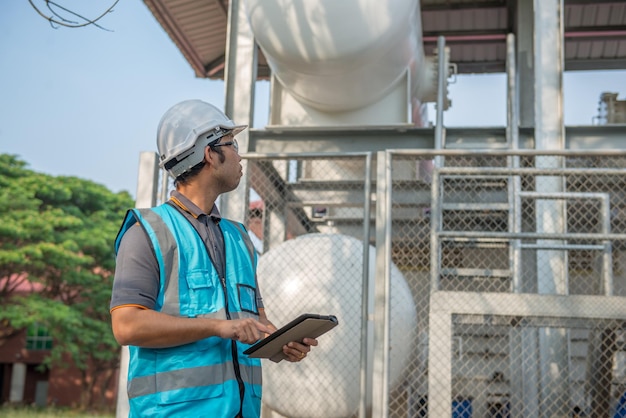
224 144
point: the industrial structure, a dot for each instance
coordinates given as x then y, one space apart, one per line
497 255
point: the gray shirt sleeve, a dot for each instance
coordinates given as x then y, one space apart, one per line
136 279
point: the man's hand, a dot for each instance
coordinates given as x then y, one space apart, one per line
297 351
247 331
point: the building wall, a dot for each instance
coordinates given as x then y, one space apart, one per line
64 385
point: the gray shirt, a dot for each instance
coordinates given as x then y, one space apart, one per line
136 281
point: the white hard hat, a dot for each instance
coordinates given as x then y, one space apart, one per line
186 129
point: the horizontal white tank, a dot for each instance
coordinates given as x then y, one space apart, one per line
339 55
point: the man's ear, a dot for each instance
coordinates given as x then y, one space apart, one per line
209 154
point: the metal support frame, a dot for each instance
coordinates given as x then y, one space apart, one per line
437 234
440 338
550 214
382 296
239 81
366 368
443 305
605 247
442 71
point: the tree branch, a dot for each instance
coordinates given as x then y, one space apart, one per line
55 17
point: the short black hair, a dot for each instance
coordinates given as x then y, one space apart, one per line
185 177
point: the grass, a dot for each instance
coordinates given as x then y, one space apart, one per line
34 412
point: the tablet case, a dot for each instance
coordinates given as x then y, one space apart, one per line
304 326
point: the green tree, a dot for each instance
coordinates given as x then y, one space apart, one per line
58 233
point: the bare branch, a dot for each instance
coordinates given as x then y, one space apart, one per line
55 18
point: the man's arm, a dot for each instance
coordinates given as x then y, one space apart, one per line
135 290
142 327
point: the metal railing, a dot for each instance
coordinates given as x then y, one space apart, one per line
506 283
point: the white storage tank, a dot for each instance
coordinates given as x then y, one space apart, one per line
343 55
323 274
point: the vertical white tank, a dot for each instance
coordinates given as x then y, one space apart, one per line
342 55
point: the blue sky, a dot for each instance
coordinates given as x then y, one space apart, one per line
85 102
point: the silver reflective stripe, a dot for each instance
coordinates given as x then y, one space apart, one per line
191 377
221 314
166 240
243 315
246 240
251 374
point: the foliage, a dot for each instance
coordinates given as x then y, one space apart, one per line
58 233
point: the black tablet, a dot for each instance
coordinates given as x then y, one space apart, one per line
304 326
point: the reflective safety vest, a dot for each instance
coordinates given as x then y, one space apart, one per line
210 377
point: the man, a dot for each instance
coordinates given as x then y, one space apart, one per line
185 295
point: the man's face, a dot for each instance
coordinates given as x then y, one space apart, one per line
227 162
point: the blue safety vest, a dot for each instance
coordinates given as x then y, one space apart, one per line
211 377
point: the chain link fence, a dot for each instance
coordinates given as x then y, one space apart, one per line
492 287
